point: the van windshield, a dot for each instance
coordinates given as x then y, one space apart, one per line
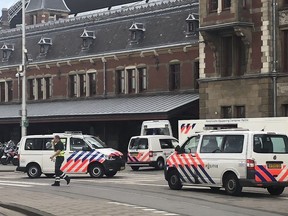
265 143
139 143
156 131
95 142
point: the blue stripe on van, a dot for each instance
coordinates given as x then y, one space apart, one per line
87 155
266 172
191 172
199 174
186 174
207 175
79 155
72 155
260 176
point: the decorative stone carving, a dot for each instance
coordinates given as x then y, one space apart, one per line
283 17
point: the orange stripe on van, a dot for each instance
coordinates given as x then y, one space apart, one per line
263 174
199 160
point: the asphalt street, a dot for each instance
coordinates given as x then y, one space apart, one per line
144 192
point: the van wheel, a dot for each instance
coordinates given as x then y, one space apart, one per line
135 168
34 171
160 163
110 174
232 185
274 190
174 180
96 171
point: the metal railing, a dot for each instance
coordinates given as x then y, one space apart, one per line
14 10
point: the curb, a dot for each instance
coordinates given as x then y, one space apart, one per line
25 210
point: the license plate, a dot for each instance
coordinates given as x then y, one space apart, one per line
134 154
274 166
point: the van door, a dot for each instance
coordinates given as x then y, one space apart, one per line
74 155
168 146
270 152
221 153
47 152
186 161
138 151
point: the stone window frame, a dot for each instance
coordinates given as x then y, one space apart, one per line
6 94
226 112
174 76
226 4
213 6
91 86
127 79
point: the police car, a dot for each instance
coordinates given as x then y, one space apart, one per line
83 154
232 160
150 151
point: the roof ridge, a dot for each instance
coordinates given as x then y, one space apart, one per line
104 16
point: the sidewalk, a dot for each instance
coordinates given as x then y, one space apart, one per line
7 168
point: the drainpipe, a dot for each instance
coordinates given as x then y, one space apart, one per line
274 66
104 76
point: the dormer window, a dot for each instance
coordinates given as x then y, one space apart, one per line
87 39
7 50
192 24
137 32
45 44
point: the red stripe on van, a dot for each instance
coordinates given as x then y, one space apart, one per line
69 170
200 160
263 174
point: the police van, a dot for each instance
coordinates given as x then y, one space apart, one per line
231 159
150 150
83 154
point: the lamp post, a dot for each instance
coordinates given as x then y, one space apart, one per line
24 122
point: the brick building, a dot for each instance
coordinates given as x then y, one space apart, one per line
103 73
242 72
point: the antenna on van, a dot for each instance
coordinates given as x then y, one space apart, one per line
263 129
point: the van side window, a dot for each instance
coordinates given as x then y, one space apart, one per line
166 143
139 143
190 146
211 144
34 144
76 144
48 144
266 143
233 144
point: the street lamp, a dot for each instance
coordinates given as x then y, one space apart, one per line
24 122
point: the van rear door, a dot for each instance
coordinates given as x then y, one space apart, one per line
138 150
270 152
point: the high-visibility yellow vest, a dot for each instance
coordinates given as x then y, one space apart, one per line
61 154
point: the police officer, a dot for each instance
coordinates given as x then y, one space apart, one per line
59 155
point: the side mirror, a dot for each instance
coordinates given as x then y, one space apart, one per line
178 149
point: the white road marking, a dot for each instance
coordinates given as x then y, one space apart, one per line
286 198
25 183
144 209
17 185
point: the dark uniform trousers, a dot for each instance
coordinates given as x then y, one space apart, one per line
58 173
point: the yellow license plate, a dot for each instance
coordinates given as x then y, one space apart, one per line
134 154
274 166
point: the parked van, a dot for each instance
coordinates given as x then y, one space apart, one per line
156 127
232 160
152 150
83 154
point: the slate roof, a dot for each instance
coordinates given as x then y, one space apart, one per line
51 5
132 105
165 25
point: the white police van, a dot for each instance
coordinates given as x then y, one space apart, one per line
231 159
150 150
83 154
